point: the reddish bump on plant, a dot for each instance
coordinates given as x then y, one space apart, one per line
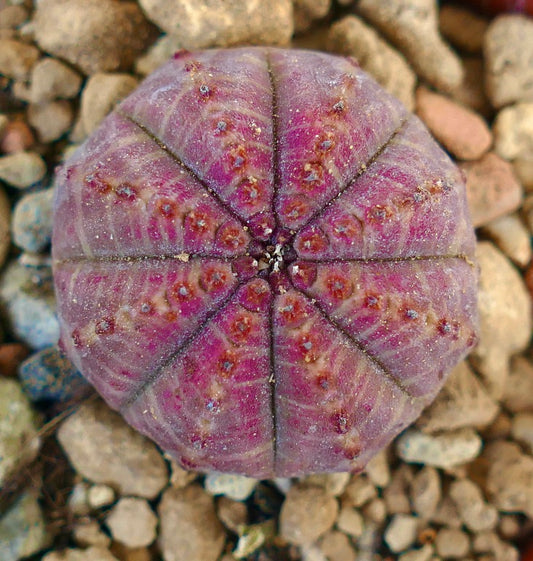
252 266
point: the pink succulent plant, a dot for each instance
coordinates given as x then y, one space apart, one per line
264 262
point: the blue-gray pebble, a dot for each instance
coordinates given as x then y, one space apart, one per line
28 304
49 375
32 221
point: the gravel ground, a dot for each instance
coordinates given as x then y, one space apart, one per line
78 484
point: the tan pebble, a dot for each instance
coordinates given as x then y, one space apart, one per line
509 526
401 532
125 553
207 24
461 131
376 510
447 514
350 36
308 11
132 522
11 354
426 492
13 16
94 35
180 477
511 236
332 483
94 553
158 53
523 167
100 95
425 553
189 528
350 521
359 491
17 58
452 543
513 132
509 60
22 169
337 547
463 28
490 542
505 317
52 79
378 469
5 237
518 392
306 514
492 189
412 25
100 495
16 137
476 514
499 428
522 430
51 120
88 533
232 513
395 494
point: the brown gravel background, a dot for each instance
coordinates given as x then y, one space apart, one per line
456 485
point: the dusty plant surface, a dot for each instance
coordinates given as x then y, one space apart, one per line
77 483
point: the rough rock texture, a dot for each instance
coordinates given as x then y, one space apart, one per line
94 35
270 275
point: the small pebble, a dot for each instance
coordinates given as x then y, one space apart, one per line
88 533
464 28
513 132
96 35
401 532
100 495
32 221
461 131
337 547
104 449
189 528
523 167
512 238
509 56
223 24
378 469
94 553
426 492
16 137
11 355
51 119
308 11
490 542
376 511
359 491
101 93
413 28
452 543
332 483
22 169
29 305
23 529
306 514
233 514
49 375
132 522
475 513
395 494
351 36
235 487
447 514
19 440
522 429
17 59
350 521
444 450
51 79
518 391
504 317
462 402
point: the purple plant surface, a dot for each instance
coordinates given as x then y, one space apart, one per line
264 262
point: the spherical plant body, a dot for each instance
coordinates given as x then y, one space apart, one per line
264 262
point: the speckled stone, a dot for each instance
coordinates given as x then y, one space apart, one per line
32 221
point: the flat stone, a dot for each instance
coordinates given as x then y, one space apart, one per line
22 169
461 131
104 449
445 450
237 487
509 59
401 532
306 514
19 440
132 522
189 528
